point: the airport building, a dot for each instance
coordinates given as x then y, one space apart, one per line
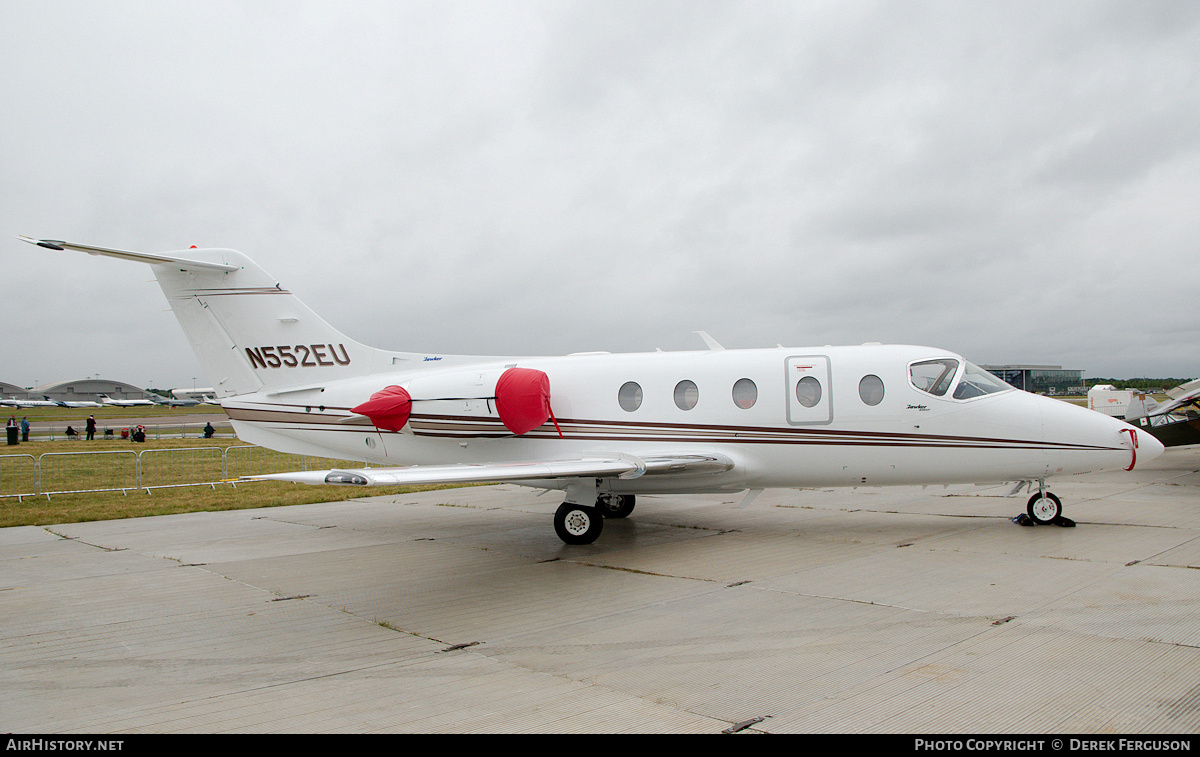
8 390
1039 379
76 391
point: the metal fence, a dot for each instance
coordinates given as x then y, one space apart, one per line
18 475
125 470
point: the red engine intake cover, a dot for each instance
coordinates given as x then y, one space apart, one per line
523 399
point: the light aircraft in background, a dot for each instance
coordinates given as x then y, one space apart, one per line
616 426
1174 423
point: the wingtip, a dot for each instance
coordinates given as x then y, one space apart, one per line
49 244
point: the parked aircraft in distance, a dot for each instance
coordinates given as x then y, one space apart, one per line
78 403
14 402
105 399
616 426
188 401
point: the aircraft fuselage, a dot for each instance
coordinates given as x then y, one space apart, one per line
744 404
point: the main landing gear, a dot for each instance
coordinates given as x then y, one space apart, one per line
582 524
615 505
1043 509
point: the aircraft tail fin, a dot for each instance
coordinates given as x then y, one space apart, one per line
249 332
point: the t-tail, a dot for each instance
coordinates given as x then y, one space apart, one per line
249 332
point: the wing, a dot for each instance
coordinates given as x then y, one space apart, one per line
601 466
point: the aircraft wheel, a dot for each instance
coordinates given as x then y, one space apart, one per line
615 505
1044 508
578 524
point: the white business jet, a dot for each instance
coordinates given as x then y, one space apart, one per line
47 402
78 403
105 399
616 426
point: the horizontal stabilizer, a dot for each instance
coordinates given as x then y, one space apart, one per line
139 257
626 466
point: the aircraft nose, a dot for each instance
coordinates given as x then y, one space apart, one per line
1148 447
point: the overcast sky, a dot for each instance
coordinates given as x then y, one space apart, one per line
1015 181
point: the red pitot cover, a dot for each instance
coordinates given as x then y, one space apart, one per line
388 408
523 399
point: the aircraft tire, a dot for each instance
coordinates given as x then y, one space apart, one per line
615 505
1044 509
578 524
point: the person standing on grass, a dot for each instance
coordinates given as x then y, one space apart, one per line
24 429
91 427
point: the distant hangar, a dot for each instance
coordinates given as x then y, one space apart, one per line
80 390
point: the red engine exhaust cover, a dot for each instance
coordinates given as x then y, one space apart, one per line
388 408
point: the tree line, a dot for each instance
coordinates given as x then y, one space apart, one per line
1141 384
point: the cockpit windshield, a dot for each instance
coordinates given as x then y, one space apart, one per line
933 376
976 382
936 377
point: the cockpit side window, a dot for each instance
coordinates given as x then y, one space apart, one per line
976 382
933 376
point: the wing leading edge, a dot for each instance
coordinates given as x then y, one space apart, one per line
607 466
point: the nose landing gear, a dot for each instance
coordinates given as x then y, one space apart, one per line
1043 509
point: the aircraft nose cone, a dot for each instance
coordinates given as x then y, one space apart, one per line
1148 446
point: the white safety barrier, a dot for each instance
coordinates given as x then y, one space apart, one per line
124 470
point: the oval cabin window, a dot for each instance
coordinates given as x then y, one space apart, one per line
870 390
745 393
808 391
686 395
630 396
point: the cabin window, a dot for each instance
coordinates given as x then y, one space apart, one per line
976 382
745 393
686 395
870 390
933 376
630 396
808 391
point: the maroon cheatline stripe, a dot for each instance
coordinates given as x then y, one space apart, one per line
450 426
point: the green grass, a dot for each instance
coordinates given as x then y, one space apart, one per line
41 510
140 503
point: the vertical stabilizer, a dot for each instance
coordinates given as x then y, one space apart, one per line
249 332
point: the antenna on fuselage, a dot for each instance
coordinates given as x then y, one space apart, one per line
712 343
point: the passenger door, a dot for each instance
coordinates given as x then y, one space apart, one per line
809 390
